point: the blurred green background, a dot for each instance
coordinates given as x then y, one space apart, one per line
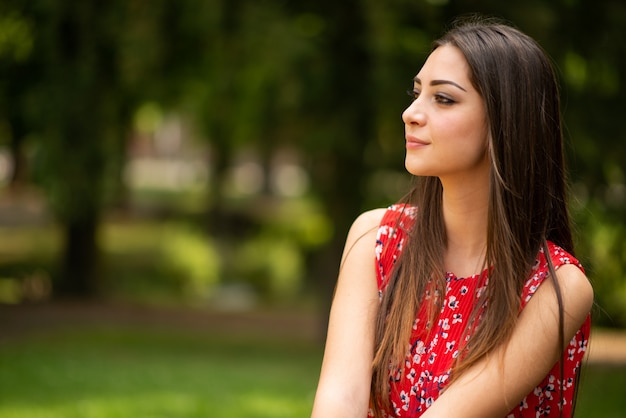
210 156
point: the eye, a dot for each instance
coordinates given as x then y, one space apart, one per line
413 94
444 100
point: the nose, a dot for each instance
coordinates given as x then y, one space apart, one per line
414 114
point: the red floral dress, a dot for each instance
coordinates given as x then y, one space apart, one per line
428 363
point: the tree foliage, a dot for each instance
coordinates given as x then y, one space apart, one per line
324 78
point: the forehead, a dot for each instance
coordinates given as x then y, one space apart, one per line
445 63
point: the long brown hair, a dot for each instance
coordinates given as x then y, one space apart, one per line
527 201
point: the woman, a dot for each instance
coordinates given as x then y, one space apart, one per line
472 304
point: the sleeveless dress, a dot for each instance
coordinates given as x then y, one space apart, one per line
429 359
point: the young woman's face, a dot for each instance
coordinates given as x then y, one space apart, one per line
446 124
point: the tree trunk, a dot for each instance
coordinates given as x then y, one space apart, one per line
340 171
19 176
80 260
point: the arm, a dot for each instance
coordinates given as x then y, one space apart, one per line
343 389
516 367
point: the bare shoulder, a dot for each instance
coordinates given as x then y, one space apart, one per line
576 289
363 229
367 221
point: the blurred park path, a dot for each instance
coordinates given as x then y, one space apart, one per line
26 207
18 321
607 346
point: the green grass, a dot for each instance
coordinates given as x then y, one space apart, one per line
602 392
130 372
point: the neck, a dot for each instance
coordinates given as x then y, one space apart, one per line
465 212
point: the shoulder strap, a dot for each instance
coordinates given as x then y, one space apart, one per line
392 232
540 271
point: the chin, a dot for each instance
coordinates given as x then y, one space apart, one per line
416 169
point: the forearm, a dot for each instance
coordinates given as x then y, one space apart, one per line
487 391
339 403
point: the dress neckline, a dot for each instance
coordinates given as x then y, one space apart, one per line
450 275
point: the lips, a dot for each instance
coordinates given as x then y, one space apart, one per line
412 141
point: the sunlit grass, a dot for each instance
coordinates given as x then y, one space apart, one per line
158 261
175 259
128 373
147 261
32 241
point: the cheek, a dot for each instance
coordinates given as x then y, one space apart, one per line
457 130
468 139
470 128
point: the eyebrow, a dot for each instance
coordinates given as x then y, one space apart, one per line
440 82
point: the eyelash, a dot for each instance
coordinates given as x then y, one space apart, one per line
439 98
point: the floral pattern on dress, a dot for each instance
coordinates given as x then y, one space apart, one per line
427 366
